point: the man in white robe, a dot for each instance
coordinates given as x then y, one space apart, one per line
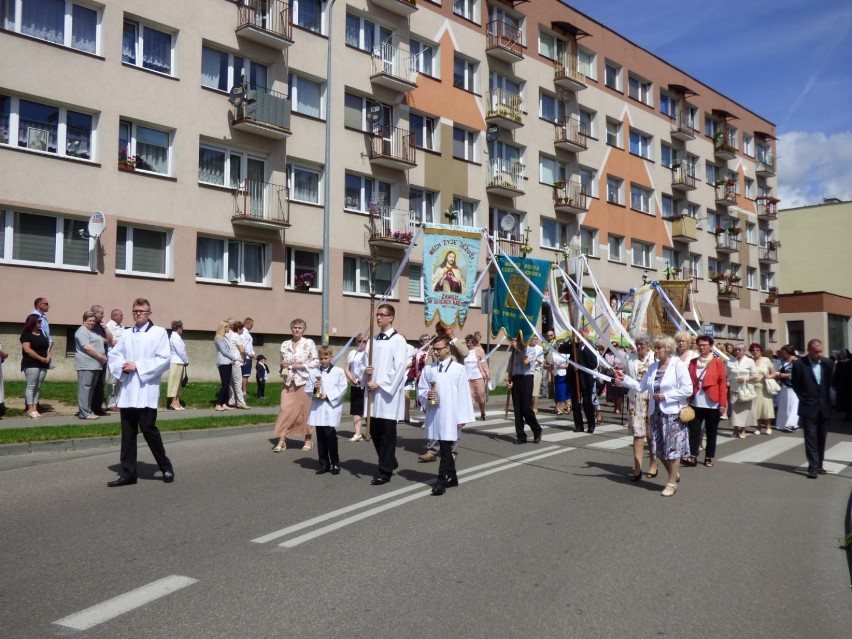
386 377
447 381
139 360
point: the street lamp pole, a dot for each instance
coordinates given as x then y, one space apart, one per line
326 209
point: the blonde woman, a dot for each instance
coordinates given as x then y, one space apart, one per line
637 418
764 411
683 351
224 362
477 371
742 373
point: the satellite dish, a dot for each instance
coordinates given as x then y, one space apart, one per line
95 227
237 95
375 114
492 133
507 223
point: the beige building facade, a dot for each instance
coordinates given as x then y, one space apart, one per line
531 121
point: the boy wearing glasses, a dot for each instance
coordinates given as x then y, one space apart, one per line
445 381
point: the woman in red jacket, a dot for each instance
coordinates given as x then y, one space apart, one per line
709 399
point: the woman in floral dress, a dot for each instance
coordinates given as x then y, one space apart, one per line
298 356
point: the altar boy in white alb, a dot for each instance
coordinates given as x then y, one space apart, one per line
139 360
330 383
447 381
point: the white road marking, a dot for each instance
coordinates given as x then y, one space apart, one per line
91 617
295 541
763 451
613 444
837 458
380 498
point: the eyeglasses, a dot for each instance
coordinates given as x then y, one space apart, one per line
438 349
137 311
383 315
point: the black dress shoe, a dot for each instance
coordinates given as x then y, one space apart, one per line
323 470
822 471
169 476
335 469
812 474
121 481
521 441
379 481
452 481
591 431
439 490
578 429
537 438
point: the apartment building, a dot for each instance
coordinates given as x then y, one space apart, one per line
199 130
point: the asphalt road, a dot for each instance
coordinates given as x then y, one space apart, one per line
547 540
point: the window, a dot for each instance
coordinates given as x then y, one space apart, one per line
750 233
220 260
466 210
614 135
226 167
551 170
498 14
365 35
614 190
361 191
308 14
307 96
693 210
748 144
355 109
643 254
547 45
426 59
588 123
147 47
711 173
695 265
50 129
58 21
356 276
668 105
713 220
554 235
640 199
423 128
150 147
714 267
640 144
751 277
498 215
668 156
589 241
588 65
749 188
221 70
464 144
667 206
589 181
767 280
616 248
712 126
550 108
305 183
640 90
671 258
415 282
464 74
468 9
304 268
424 204
612 75
44 240
141 251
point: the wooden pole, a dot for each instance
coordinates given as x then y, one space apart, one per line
509 376
370 362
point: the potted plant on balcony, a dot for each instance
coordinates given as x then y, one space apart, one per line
525 249
718 230
304 281
404 237
734 230
451 215
125 162
733 280
717 277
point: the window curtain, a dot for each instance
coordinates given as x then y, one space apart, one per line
211 166
78 135
75 248
309 14
44 19
157 50
214 69
152 147
84 26
308 96
415 282
349 274
34 238
128 43
254 263
305 185
37 126
149 251
209 258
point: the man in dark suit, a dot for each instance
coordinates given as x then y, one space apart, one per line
582 404
812 381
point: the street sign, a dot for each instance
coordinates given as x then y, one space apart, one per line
708 330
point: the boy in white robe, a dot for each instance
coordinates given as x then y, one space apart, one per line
330 383
448 381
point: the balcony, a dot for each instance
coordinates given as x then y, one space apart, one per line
510 243
767 209
505 178
768 254
570 198
727 242
399 7
394 228
684 229
261 205
503 108
682 128
567 73
728 290
267 22
394 68
571 135
769 298
726 193
392 147
503 41
264 112
765 167
723 150
683 178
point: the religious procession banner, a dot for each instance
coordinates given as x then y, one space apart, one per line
450 260
651 313
519 310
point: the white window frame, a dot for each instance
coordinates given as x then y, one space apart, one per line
589 122
467 9
226 258
667 206
616 73
298 83
589 241
425 135
426 213
368 187
557 168
751 277
696 265
641 199
292 167
558 108
10 224
229 157
35 137
369 44
15 23
615 190
557 228
294 269
138 60
615 242
640 90
615 129
301 21
750 236
168 251
588 181
132 144
587 61
748 144
362 269
470 144
238 68
643 254
467 210
641 144
427 58
415 279
470 81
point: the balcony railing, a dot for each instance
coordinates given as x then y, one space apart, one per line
572 135
394 68
393 227
682 128
769 298
727 243
768 255
264 112
726 194
765 166
684 228
683 177
567 74
261 204
504 41
767 209
570 197
510 243
505 177
505 107
268 22
399 7
728 290
393 147
723 149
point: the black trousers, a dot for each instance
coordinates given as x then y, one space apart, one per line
816 434
97 405
581 405
522 390
327 445
132 421
447 465
709 418
383 433
225 379
261 388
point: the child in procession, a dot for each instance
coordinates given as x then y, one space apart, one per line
327 387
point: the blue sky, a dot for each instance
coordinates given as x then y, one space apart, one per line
786 60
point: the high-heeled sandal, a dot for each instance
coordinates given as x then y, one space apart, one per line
309 445
650 475
279 447
636 477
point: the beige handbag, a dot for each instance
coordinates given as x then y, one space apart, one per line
686 414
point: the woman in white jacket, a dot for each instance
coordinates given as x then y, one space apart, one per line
669 387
